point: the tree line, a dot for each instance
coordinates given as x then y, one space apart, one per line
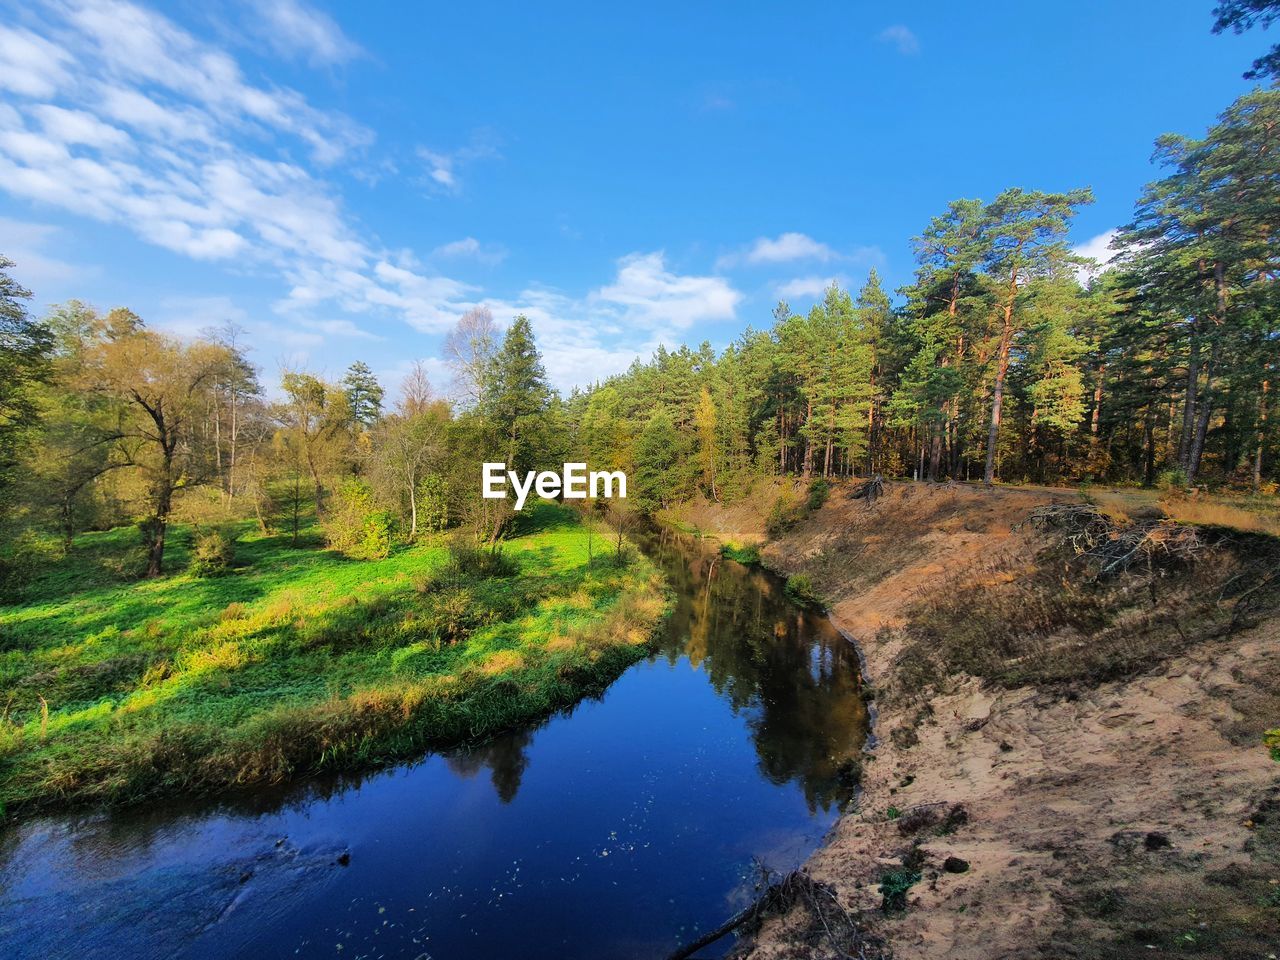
1007 357
107 421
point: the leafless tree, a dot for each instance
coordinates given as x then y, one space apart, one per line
468 348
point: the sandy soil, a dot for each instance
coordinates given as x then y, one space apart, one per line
1122 821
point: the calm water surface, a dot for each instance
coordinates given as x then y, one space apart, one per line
619 829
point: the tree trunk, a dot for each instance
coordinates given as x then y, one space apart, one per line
1149 437
1206 402
1202 419
782 439
413 509
1262 435
1190 399
316 485
997 394
234 438
871 425
1097 401
808 442
158 524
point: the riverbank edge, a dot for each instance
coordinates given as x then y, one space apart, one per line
955 913
600 665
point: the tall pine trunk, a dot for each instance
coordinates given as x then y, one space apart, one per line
1262 434
997 394
1190 398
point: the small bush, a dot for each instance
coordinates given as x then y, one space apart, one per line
894 885
748 555
379 528
433 504
482 562
819 490
1174 478
356 527
1271 740
800 589
213 551
787 511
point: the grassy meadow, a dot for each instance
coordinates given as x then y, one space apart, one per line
299 658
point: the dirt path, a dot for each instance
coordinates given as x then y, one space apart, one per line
1135 818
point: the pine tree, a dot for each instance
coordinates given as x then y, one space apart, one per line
1025 240
516 399
364 395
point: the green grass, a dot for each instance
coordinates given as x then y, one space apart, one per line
748 555
298 660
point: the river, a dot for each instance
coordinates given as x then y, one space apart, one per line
618 829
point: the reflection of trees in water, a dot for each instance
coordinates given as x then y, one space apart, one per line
788 669
99 842
505 758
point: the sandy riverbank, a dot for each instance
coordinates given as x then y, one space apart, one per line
1126 817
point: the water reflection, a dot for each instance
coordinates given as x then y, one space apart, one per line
505 759
793 675
618 829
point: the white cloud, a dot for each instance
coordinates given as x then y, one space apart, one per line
808 288
789 247
78 127
30 65
592 337
443 167
1097 249
160 133
298 31
650 295
139 46
472 249
901 38
786 247
338 328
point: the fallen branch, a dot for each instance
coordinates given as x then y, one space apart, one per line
819 899
726 928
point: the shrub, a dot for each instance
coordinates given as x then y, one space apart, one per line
787 510
379 527
894 885
433 504
213 551
355 526
1174 478
1271 740
481 562
819 490
748 555
800 589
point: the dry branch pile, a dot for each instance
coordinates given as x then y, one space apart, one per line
1111 548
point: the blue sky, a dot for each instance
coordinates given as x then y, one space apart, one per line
344 180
